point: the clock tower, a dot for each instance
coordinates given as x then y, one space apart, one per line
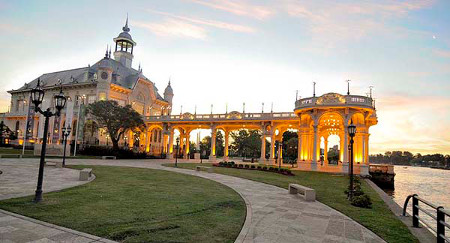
124 47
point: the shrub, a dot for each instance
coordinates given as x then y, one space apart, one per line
264 168
231 163
221 164
120 153
252 166
241 166
259 167
234 165
247 166
276 169
362 201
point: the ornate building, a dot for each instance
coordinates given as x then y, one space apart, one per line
108 79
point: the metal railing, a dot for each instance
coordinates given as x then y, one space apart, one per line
441 213
224 117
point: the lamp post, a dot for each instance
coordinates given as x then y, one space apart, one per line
176 154
65 132
351 133
37 96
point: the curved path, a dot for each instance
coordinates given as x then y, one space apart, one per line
273 215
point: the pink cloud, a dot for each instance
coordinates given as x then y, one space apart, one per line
212 23
441 53
174 28
242 8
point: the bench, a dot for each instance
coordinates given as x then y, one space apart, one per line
10 155
85 174
308 194
57 164
199 168
109 157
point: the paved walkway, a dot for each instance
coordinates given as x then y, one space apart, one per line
19 178
273 215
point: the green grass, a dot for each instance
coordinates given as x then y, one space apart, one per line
14 151
330 191
142 205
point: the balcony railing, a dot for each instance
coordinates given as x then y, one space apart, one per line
220 117
335 100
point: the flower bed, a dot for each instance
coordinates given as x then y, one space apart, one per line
283 171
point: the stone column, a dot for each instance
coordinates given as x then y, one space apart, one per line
315 145
181 150
345 166
272 148
325 151
186 151
212 155
299 146
170 149
263 148
148 137
225 154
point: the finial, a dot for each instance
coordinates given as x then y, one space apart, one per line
125 28
106 53
348 86
314 89
169 80
39 83
370 92
139 68
109 53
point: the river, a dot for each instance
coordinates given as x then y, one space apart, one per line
431 184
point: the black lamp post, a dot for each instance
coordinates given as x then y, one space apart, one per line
351 133
37 96
65 132
176 154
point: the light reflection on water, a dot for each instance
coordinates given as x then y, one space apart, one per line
431 184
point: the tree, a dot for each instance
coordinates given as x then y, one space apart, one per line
115 119
246 143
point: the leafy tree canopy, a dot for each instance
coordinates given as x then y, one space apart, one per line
115 119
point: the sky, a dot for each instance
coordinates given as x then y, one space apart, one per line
229 52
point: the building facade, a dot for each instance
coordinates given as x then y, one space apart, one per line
111 78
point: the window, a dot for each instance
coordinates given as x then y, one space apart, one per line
102 96
91 99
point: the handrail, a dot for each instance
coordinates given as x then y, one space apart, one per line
441 213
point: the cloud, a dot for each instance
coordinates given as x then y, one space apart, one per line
242 8
441 53
212 23
333 22
174 28
413 123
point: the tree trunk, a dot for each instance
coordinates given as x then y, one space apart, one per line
115 143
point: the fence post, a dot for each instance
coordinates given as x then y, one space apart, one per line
415 211
440 229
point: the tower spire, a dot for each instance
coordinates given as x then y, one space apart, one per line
106 53
125 28
109 53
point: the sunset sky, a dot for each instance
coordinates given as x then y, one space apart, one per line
219 52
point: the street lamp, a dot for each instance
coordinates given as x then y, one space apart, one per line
65 132
37 96
176 154
351 133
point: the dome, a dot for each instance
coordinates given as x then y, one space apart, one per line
168 89
125 35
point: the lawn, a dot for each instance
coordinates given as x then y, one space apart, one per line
142 205
14 151
330 191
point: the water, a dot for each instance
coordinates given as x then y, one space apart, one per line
431 184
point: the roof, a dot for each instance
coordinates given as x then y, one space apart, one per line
122 76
